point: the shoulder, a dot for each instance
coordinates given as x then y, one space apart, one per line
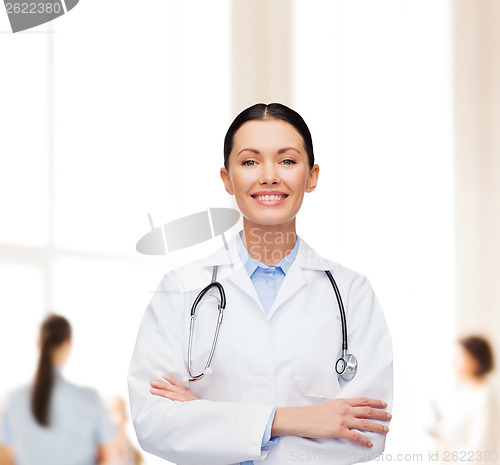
182 280
197 273
485 393
192 272
83 394
84 391
308 258
20 391
355 288
19 394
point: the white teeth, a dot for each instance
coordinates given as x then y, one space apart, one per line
270 197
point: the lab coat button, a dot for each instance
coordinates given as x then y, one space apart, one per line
261 383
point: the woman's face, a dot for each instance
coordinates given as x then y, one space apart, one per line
465 364
269 172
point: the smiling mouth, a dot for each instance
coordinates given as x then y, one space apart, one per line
271 197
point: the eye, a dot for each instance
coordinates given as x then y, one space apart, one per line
249 162
288 161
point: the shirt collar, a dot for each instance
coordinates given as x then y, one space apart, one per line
307 258
251 264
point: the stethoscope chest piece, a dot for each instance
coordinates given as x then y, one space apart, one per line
347 366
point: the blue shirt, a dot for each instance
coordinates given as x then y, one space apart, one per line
78 423
267 280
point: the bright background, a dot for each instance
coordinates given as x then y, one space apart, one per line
119 110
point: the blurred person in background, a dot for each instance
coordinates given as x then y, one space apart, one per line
4 458
4 454
121 450
51 421
466 424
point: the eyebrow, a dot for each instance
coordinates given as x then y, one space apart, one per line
280 151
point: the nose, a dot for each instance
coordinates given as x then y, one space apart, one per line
269 174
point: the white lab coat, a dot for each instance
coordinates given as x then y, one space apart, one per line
467 425
284 359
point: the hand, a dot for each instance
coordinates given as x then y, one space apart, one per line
332 419
172 389
431 432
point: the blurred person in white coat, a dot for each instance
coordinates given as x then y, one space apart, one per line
464 425
52 421
273 395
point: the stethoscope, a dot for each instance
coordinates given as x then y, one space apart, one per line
346 366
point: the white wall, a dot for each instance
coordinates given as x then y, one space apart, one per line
477 141
377 94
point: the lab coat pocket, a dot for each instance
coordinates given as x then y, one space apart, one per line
316 348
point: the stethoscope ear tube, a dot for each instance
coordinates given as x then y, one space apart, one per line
341 310
346 366
204 291
221 306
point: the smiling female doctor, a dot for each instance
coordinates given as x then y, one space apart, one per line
273 395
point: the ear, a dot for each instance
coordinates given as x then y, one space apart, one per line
226 179
312 180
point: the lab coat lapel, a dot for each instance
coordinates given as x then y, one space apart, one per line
241 279
295 279
231 267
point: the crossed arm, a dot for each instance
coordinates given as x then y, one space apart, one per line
332 419
349 417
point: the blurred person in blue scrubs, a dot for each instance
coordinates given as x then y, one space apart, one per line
51 421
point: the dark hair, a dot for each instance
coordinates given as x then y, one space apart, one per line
55 330
262 111
480 349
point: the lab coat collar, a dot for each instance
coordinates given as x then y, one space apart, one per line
294 280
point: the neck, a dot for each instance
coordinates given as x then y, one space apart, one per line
60 354
475 381
269 244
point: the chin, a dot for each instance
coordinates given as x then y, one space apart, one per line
268 220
